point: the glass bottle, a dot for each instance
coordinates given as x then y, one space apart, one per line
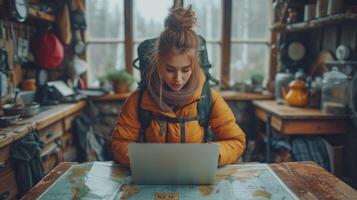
334 97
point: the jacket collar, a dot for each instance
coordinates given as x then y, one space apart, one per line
149 104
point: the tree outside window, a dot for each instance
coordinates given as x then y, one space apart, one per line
249 39
209 21
105 37
148 21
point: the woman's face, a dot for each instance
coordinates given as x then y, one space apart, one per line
177 71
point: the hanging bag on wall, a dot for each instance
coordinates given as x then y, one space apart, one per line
48 50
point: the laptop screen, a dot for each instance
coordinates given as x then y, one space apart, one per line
173 163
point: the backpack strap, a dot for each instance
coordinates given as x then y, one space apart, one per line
145 117
204 110
180 121
176 120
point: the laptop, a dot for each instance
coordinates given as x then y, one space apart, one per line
173 164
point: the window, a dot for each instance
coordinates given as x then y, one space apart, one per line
249 39
148 21
209 26
148 17
105 37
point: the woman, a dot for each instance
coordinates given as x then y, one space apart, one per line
174 85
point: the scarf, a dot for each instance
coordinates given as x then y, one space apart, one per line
163 96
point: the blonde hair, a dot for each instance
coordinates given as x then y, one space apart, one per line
177 38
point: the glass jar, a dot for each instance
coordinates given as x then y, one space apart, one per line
315 92
334 90
282 80
300 74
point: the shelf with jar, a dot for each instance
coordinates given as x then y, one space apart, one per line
316 23
293 15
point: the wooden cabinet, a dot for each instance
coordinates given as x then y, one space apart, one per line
52 152
69 149
51 156
54 128
294 121
69 120
8 187
4 155
68 144
52 132
58 142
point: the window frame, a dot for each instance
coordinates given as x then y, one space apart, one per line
225 42
97 40
259 41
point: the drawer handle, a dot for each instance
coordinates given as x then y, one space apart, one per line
4 195
49 135
3 164
59 143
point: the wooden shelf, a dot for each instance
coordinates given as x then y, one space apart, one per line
341 62
41 15
316 23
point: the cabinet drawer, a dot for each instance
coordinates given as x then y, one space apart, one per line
8 187
67 139
51 132
70 154
51 156
4 155
68 121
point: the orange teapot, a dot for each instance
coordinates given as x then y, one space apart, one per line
297 94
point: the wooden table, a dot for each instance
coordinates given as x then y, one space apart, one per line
297 121
49 115
306 179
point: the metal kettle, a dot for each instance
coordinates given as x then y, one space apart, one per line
297 94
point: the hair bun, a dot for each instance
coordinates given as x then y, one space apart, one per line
181 19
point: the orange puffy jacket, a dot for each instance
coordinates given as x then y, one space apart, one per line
229 136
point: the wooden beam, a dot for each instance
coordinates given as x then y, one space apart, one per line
128 23
273 61
226 45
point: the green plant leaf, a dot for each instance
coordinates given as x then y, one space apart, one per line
120 76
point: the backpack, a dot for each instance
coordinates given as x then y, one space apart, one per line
203 105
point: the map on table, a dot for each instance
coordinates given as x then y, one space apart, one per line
105 180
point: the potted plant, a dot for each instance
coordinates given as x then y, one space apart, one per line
121 80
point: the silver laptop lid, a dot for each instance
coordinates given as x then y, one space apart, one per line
173 163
